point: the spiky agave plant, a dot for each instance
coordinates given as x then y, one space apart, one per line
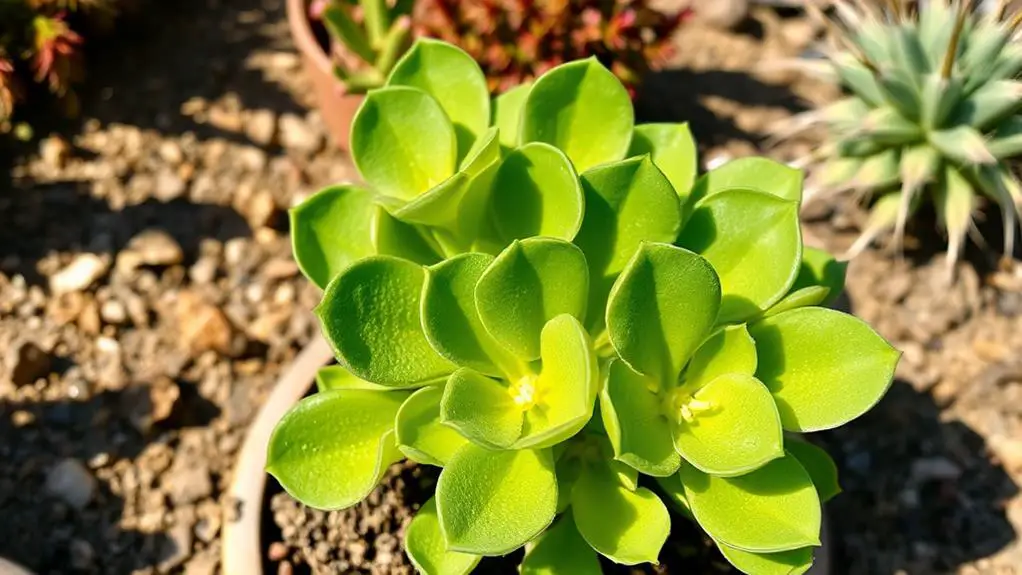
932 113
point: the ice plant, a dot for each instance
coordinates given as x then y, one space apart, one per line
932 114
538 296
371 36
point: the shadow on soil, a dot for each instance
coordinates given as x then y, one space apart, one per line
41 529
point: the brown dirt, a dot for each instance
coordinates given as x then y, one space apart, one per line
160 219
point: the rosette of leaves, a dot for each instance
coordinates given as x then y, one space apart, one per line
932 114
543 300
370 35
517 40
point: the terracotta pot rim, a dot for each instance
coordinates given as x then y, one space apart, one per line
305 40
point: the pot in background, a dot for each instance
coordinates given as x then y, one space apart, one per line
335 104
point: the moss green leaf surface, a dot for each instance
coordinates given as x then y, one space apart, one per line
823 367
638 430
419 433
492 502
753 173
673 151
330 230
425 545
481 409
507 114
730 350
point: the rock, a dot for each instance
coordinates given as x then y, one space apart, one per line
1008 450
54 151
202 326
72 483
168 186
934 468
189 481
261 127
204 270
171 152
88 319
151 248
113 312
30 363
297 135
150 404
204 563
276 552
261 209
280 268
721 13
79 274
176 548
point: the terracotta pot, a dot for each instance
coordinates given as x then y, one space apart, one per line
335 105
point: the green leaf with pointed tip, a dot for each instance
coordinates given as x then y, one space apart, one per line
492 502
392 237
819 268
330 230
481 409
752 173
507 114
334 377
566 387
638 430
583 109
531 282
805 297
331 449
628 527
438 206
627 203
425 545
818 464
451 321
560 550
730 350
780 509
419 433
484 153
673 151
962 144
661 309
341 26
824 367
753 241
731 406
454 79
370 317
402 142
536 192
794 562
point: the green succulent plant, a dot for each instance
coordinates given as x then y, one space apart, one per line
372 35
932 114
538 296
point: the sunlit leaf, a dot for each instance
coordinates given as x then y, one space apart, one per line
507 114
402 142
370 316
481 409
754 243
794 562
818 464
334 377
673 151
823 367
754 173
492 502
453 78
661 308
419 433
531 282
330 230
330 450
635 424
560 550
583 109
426 548
780 509
392 237
819 268
730 350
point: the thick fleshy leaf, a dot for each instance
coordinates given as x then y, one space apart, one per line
583 109
824 367
370 316
492 502
453 78
536 192
794 562
754 243
334 377
774 508
330 230
673 151
451 322
531 282
818 464
819 268
392 237
560 550
507 114
628 527
481 409
661 309
330 450
484 153
425 545
402 142
627 203
419 433
730 350
752 173
731 406
635 424
563 394
437 206
675 492
807 296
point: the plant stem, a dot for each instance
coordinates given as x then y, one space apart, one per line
952 48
